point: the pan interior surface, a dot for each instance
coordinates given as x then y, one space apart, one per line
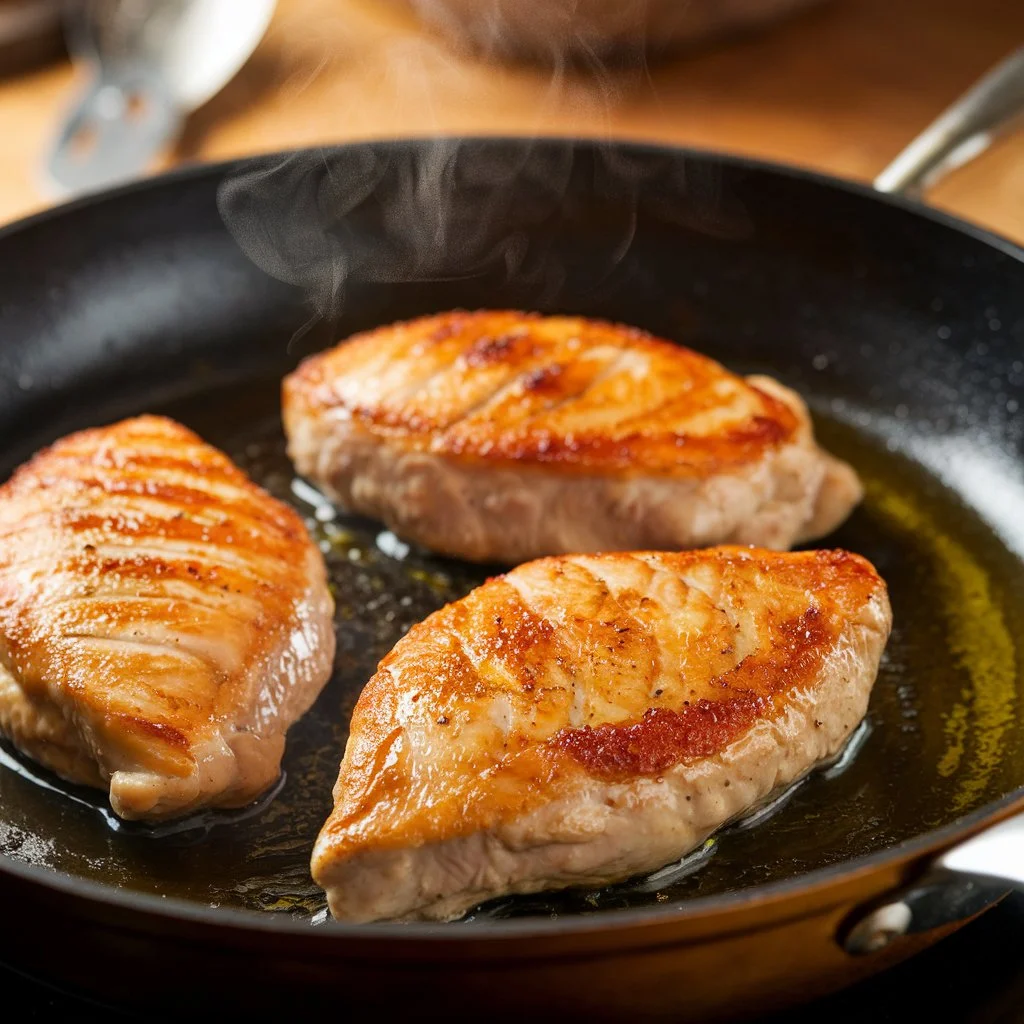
911 382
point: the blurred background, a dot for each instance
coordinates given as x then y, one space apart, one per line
96 91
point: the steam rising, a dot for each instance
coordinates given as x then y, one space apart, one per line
438 209
444 209
385 214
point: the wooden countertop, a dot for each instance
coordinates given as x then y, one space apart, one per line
841 88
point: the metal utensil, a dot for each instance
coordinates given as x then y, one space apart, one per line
991 107
150 63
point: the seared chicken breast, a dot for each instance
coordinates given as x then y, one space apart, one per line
584 719
500 436
162 619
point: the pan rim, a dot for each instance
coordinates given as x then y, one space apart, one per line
818 881
770 894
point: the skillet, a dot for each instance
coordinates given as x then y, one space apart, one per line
193 293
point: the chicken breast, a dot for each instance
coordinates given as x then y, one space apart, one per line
162 619
499 436
584 719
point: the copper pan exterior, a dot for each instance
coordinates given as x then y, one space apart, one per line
730 958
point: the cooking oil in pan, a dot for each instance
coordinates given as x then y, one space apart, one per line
942 737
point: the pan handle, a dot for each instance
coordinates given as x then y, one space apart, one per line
967 878
966 129
959 883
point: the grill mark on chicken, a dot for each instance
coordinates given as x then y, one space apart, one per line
213 547
530 646
532 380
687 403
121 641
615 627
149 476
185 498
216 552
141 513
483 408
740 643
169 517
131 606
180 478
510 347
590 373
141 628
476 356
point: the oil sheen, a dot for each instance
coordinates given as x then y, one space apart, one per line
943 735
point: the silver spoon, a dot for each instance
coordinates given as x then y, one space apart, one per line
150 63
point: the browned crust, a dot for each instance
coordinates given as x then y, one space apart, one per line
89 530
431 678
665 737
500 384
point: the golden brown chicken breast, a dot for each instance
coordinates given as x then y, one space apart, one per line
584 719
501 436
162 619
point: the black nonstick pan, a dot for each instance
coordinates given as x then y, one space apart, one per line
192 294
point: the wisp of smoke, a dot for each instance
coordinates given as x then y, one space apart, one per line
443 208
299 218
